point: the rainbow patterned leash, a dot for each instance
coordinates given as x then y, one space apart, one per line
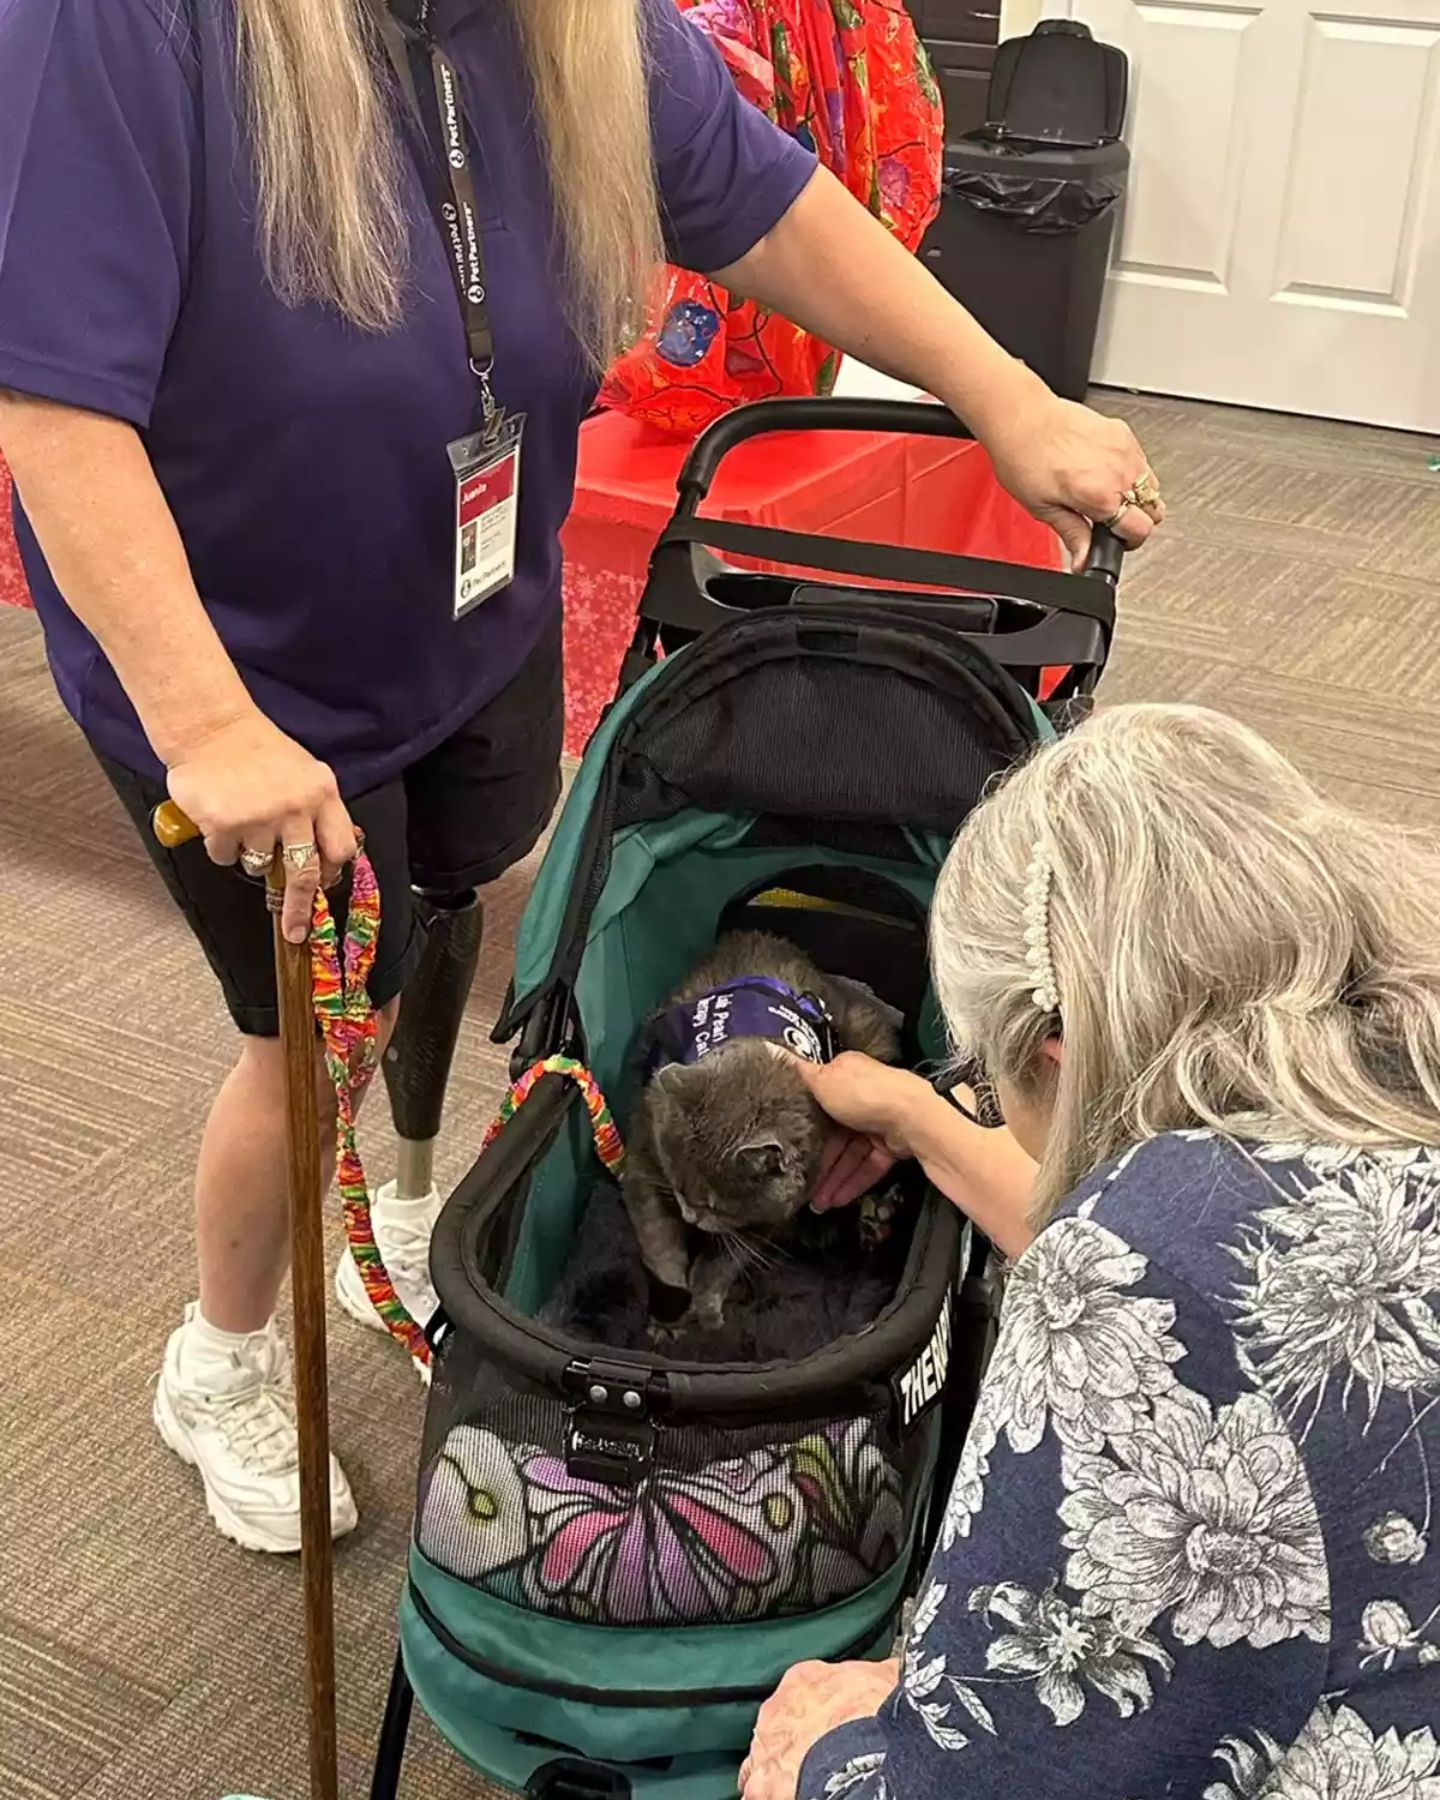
349 1029
608 1146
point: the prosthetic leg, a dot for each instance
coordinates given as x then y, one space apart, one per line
417 1062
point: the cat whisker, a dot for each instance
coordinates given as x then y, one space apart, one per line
759 1254
745 1253
770 1253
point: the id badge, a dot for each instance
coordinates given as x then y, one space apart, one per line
487 508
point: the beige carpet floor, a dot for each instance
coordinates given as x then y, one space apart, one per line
142 1658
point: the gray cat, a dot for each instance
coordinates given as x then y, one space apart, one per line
725 1150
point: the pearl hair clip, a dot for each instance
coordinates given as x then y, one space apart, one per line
1039 962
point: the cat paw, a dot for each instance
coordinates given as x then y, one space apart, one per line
664 1332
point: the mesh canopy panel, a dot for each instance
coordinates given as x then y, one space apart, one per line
822 738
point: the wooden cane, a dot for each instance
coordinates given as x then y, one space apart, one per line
308 1285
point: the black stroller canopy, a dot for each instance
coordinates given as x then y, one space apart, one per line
832 726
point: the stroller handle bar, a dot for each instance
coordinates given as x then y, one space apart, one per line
908 418
1024 618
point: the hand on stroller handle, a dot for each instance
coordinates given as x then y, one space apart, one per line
1025 619
909 418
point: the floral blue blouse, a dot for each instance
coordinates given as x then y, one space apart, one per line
1190 1548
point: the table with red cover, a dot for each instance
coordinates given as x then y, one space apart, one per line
13 591
926 493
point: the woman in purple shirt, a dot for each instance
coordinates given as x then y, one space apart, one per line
262 264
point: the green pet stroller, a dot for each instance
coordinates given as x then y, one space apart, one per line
617 1554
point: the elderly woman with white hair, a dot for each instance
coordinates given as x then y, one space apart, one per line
1190 1547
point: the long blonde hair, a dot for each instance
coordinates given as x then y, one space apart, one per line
328 165
1229 948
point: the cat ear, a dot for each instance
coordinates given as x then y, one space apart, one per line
673 1078
861 994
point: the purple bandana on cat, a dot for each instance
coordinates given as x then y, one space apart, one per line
753 1007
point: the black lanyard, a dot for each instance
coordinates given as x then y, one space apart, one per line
443 122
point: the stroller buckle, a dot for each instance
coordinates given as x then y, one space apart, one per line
611 1435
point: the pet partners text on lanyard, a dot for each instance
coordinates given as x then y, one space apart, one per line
487 462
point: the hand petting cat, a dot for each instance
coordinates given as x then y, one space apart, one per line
882 1115
872 1107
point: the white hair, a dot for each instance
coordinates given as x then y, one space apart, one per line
1227 947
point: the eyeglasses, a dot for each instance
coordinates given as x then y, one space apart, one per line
986 1111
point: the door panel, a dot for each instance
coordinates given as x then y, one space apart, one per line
1280 244
1186 115
1382 78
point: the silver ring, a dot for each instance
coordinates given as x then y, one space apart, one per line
256 862
299 856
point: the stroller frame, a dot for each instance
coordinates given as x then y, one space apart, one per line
1025 620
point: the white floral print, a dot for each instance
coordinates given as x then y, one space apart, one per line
1336 1757
1210 1520
1056 1648
1083 1353
1146 1475
1341 1284
1326 1161
1075 1350
1063 1648
870 1766
1387 1635
967 1493
1396 1539
928 1687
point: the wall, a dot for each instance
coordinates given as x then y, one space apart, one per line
1019 16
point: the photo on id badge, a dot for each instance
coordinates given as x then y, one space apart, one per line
487 494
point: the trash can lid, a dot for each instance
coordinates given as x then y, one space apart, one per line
1057 85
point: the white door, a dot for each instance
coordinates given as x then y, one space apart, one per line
1280 246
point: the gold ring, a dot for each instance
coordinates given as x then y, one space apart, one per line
256 862
1145 494
299 856
1115 517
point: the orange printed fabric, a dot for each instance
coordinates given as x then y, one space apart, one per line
851 81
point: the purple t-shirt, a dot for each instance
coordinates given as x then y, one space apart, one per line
304 460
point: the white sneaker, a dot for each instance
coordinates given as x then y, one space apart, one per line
402 1232
229 1411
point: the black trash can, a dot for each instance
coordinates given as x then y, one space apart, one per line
1023 235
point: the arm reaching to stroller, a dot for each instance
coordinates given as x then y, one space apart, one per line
1090 1622
832 269
886 1115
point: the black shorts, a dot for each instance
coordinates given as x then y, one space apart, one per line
458 818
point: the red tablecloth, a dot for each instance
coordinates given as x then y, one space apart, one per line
928 494
13 591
